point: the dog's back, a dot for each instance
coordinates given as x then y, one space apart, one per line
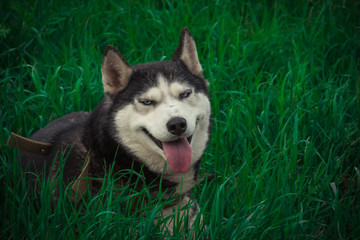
65 131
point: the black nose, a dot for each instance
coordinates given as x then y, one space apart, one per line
176 125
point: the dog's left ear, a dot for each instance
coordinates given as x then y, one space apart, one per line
186 51
115 70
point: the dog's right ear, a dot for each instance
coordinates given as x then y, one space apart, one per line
186 51
115 71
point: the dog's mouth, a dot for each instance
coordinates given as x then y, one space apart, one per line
178 152
157 141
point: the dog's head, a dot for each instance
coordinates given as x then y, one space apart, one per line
160 110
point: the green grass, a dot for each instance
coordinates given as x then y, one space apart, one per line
285 94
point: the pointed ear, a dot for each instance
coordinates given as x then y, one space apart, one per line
115 71
186 51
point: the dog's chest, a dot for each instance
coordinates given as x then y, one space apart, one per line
184 181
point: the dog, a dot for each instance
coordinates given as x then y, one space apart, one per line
154 118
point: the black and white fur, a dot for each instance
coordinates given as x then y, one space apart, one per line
145 106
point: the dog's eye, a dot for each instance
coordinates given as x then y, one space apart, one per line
147 102
185 94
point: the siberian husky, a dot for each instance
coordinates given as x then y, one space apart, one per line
154 118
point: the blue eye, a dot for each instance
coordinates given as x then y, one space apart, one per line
185 94
146 102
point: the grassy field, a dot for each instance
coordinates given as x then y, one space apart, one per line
285 94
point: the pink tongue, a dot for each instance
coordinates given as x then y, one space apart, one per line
178 154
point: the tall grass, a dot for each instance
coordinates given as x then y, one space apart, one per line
285 95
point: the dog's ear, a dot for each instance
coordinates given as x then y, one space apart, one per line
186 51
115 71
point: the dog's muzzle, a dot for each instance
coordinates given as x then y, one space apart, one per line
176 126
177 150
